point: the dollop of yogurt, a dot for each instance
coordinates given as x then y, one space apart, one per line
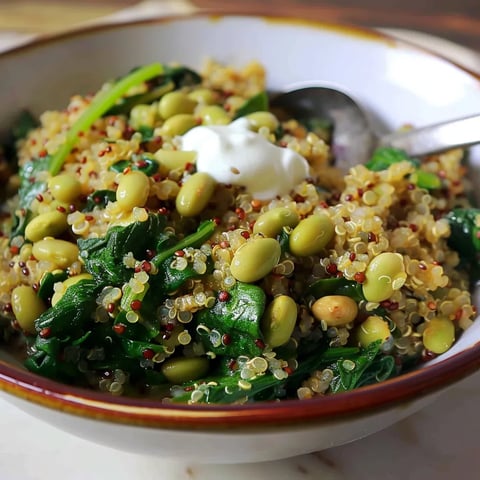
236 155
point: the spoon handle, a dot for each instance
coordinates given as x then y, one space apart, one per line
436 138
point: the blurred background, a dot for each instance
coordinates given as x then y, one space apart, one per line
455 20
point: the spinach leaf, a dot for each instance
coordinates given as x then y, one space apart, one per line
45 290
99 198
169 279
361 369
144 163
237 319
30 187
257 103
465 238
383 157
70 316
103 257
24 123
225 388
51 367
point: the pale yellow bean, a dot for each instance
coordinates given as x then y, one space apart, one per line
173 159
27 306
143 116
373 328
204 96
194 194
132 191
59 252
178 124
263 119
182 369
384 274
271 223
48 224
279 321
311 235
65 187
61 289
439 335
255 259
214 115
335 310
176 102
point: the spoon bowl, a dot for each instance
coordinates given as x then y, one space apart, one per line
353 139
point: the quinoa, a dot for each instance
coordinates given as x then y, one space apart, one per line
371 213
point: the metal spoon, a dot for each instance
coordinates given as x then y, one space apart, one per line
353 139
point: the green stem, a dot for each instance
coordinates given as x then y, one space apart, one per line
204 232
102 102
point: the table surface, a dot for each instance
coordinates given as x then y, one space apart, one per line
440 442
458 20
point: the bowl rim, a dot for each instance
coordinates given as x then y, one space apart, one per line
145 412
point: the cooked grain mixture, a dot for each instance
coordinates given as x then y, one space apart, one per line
172 237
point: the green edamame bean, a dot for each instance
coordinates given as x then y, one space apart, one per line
439 335
214 115
263 119
143 116
173 159
194 194
65 187
311 235
59 252
27 306
335 310
48 224
255 259
178 124
204 96
271 223
373 328
173 103
183 369
133 190
279 320
68 283
384 274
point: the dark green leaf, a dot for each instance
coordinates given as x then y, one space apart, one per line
384 157
238 318
72 312
30 187
103 257
144 163
349 372
170 279
45 289
257 103
23 125
465 238
136 348
99 199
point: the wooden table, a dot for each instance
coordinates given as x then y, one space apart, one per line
456 20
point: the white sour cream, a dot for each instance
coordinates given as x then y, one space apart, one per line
236 155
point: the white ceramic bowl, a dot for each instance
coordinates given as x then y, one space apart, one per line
395 82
